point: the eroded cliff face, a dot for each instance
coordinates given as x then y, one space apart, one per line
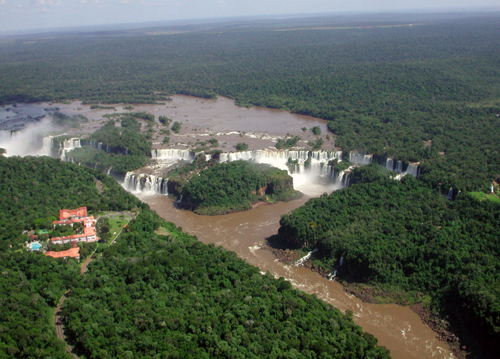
175 186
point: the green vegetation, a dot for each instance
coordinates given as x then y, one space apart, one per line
316 130
316 145
241 146
235 186
481 196
425 94
133 303
95 107
289 142
164 120
34 191
408 236
213 142
422 93
123 149
30 285
176 127
38 187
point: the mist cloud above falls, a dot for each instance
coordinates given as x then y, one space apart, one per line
30 140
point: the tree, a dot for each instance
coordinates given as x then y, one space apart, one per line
241 146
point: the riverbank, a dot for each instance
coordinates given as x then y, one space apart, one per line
373 295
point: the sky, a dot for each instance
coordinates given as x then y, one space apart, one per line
19 15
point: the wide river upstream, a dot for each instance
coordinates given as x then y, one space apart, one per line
397 328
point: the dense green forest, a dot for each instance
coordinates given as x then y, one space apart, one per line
149 295
174 297
427 92
36 187
30 285
407 236
33 189
210 187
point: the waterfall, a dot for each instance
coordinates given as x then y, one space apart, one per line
450 194
360 159
302 260
412 169
145 183
173 154
67 146
315 162
389 163
47 146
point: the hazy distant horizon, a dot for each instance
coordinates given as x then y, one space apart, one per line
22 16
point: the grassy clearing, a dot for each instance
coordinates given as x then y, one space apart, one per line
162 231
481 196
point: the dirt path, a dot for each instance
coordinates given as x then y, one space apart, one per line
59 325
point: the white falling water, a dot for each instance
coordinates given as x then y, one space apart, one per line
412 169
310 166
144 183
399 167
67 146
317 165
394 165
360 159
389 163
47 146
173 153
304 259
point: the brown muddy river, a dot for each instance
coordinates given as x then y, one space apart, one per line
397 328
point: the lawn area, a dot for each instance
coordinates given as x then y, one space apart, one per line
481 196
162 231
115 226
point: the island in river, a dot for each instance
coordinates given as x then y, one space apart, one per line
212 188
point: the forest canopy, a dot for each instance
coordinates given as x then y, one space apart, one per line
407 236
218 188
149 294
426 93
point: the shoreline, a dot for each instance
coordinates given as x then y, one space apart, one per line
438 325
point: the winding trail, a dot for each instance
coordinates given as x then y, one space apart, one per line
59 325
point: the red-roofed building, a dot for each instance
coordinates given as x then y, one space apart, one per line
72 253
75 213
72 216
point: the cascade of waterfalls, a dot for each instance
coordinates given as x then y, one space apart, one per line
315 162
145 183
393 165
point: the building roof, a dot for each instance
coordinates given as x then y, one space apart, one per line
72 252
66 213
